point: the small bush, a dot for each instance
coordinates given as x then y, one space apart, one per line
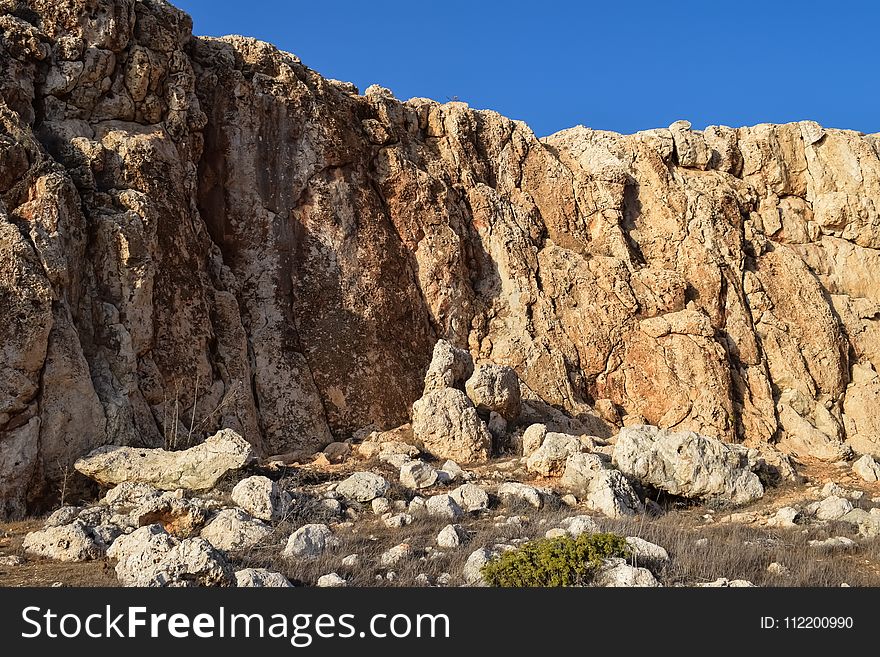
562 561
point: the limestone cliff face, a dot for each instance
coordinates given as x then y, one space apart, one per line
203 233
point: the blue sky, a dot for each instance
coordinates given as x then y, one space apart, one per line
614 65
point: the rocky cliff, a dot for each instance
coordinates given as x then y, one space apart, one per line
202 233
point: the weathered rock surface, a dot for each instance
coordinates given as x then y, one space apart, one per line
261 497
73 542
447 424
190 227
549 459
687 464
151 557
233 529
363 487
495 388
310 541
197 468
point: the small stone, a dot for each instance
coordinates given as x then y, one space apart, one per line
11 560
444 579
577 525
380 505
470 498
332 580
260 578
351 561
513 492
451 536
556 532
363 487
417 505
422 580
417 474
832 489
443 506
397 520
569 500
310 541
836 542
723 582
396 554
776 568
618 573
650 554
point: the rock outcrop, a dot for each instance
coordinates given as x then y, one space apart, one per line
201 233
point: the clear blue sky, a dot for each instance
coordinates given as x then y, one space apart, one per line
614 65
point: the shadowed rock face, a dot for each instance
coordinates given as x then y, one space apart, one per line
203 233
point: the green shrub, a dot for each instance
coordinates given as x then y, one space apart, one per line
562 561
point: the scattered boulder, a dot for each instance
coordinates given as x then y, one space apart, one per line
417 474
447 424
516 493
310 541
784 517
443 506
331 581
450 367
577 525
618 573
452 536
260 578
867 468
450 471
687 464
470 497
363 487
833 543
196 468
549 459
611 494
495 388
397 520
602 489
351 561
73 542
261 497
650 554
833 508
723 582
472 567
233 529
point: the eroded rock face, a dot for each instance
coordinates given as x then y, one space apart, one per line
195 226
